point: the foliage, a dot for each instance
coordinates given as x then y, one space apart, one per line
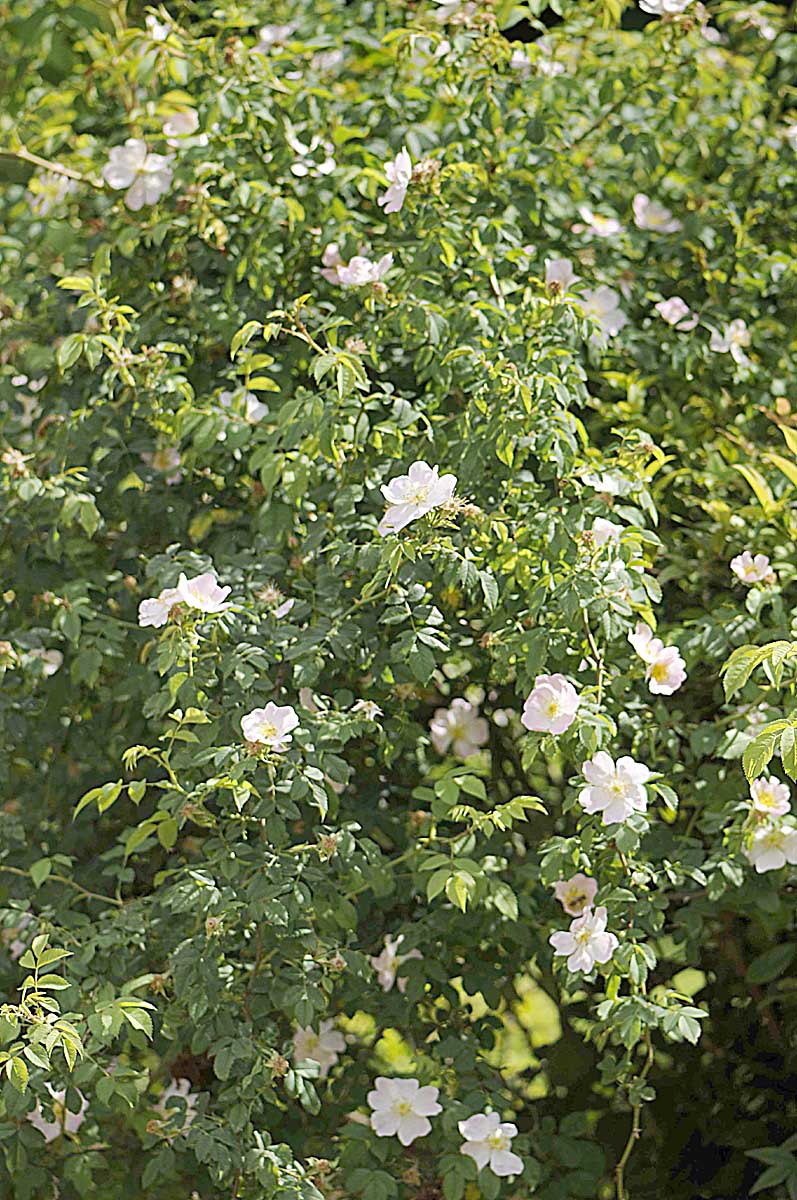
198 383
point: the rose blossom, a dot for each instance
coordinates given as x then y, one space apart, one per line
770 797
388 962
181 1088
63 1121
414 495
270 726
145 176
586 942
551 705
322 1047
616 790
677 312
460 728
597 225
560 271
666 672
733 339
604 531
401 1107
773 846
576 894
653 217
253 409
203 592
156 611
603 305
751 570
399 174
488 1141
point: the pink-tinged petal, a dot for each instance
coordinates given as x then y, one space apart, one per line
638 772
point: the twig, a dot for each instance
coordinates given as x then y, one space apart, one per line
68 882
54 167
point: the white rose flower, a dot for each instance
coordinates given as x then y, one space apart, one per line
323 1047
166 460
146 176
360 271
603 305
331 260
401 1108
677 312
51 660
576 894
179 128
180 1088
399 174
488 1141
596 224
369 710
616 790
246 403
666 672
414 495
156 611
560 271
63 1121
604 531
551 705
203 592
646 645
733 339
773 846
49 191
652 216
270 726
751 570
459 728
586 942
388 962
664 8
770 797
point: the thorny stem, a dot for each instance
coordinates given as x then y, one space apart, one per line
68 882
54 167
636 1127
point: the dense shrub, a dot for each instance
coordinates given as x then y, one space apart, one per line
382 401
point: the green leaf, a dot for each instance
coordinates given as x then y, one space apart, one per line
772 963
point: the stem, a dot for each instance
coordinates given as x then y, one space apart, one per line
636 1128
68 882
56 168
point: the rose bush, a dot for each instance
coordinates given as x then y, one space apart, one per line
399 642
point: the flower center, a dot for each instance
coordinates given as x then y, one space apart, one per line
419 495
582 937
268 731
659 672
618 788
498 1141
576 898
553 709
403 1108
